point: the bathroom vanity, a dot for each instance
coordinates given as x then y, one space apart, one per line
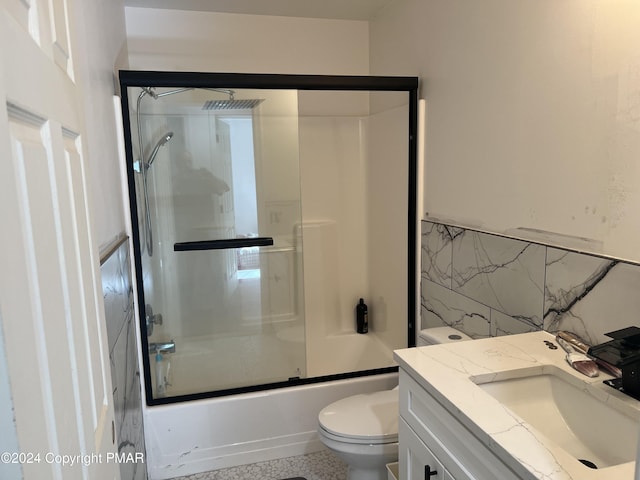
510 408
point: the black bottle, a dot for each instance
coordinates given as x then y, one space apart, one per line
362 317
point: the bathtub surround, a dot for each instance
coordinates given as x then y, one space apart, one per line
123 356
489 285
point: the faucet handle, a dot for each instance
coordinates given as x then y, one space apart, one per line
151 319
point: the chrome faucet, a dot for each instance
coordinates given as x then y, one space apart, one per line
162 347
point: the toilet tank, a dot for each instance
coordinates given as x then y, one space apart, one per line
438 335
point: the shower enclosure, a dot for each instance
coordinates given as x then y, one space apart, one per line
264 207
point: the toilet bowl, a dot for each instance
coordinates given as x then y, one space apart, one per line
363 429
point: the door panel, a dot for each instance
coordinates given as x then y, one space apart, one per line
50 298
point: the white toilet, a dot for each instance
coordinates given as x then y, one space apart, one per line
363 429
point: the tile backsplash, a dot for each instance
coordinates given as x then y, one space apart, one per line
488 285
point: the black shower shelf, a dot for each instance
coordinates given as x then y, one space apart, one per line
223 244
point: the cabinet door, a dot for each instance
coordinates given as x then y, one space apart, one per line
417 462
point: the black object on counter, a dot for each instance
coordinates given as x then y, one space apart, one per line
624 352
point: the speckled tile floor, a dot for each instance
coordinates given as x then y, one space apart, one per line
314 466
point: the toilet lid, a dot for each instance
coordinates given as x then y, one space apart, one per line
371 416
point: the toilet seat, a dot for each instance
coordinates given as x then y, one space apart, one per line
391 439
362 419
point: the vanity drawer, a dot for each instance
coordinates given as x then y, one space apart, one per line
461 453
416 461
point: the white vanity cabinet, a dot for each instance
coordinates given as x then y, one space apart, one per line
451 423
434 445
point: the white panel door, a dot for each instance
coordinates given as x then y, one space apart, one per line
51 309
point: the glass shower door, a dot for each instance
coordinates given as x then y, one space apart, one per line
229 175
219 210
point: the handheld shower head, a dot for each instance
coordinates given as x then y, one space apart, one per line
148 233
166 138
163 140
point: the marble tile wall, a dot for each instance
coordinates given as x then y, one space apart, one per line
488 285
125 373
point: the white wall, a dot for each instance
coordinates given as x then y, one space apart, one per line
216 42
104 50
533 111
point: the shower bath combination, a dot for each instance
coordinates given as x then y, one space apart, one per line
254 268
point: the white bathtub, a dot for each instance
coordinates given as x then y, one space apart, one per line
204 435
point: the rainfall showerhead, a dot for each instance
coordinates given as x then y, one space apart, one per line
163 140
232 104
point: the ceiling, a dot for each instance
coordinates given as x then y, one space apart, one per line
330 9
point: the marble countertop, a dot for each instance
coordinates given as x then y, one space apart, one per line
451 374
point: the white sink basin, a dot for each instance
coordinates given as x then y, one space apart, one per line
573 418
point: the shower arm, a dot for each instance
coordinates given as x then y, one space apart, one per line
155 95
